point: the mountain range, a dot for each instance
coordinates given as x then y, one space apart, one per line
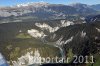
46 11
96 7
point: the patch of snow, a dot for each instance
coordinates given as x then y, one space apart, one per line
61 42
20 31
65 23
69 40
83 18
46 27
83 34
35 33
95 19
36 4
84 22
98 29
28 59
54 36
96 37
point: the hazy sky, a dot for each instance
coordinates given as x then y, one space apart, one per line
14 2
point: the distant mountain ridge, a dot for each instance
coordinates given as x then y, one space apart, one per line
96 7
42 10
80 5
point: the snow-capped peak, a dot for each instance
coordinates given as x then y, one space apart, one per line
33 3
79 5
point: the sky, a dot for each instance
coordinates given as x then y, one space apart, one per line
66 2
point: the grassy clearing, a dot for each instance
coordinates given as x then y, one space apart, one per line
23 36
